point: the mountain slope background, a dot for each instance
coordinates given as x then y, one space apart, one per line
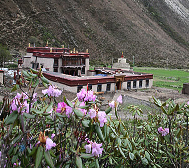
154 33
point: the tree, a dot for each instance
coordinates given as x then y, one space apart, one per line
4 55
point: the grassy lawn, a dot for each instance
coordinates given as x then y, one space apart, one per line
167 78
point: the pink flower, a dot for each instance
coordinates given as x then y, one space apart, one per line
52 136
63 107
102 118
19 105
90 96
52 91
34 97
68 111
84 111
162 131
96 150
112 104
21 96
49 144
81 95
88 148
119 99
86 96
92 113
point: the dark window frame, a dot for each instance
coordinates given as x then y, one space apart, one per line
90 86
79 87
108 87
147 82
128 83
134 84
99 87
140 83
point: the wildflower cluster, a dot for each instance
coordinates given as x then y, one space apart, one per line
52 91
164 131
20 104
96 148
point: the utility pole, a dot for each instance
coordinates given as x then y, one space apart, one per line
133 61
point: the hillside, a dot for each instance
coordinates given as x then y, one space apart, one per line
155 32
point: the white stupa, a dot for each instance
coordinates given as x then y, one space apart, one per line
121 64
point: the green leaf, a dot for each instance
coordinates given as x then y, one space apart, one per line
78 113
127 142
39 156
116 113
68 102
16 139
110 160
36 83
48 159
29 115
46 114
60 115
78 161
49 108
51 153
26 74
10 150
108 110
99 132
32 75
131 156
147 155
121 152
86 156
144 161
97 164
157 102
11 118
36 111
15 88
45 80
33 151
113 130
86 123
34 71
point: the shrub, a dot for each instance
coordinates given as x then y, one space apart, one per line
41 132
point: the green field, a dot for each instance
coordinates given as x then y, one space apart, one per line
167 78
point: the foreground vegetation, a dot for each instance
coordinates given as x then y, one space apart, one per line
41 132
167 78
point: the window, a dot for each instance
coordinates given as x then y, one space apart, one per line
140 83
83 70
99 87
83 61
79 88
89 87
147 83
55 62
128 85
134 84
108 87
55 69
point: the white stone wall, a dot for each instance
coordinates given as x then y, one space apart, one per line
27 60
47 62
1 77
86 66
59 64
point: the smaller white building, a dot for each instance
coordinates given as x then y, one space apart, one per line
122 64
